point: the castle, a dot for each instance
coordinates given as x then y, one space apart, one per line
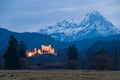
45 49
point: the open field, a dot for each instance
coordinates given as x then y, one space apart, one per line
58 75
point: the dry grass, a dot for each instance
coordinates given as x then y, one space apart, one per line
58 75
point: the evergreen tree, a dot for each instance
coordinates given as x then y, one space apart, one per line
22 50
72 62
11 58
101 61
22 55
72 53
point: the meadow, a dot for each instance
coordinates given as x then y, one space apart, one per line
58 75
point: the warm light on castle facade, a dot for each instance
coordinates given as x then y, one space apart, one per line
45 49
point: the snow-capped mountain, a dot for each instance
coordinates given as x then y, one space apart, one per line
93 25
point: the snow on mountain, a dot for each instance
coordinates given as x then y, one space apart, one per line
63 30
62 27
93 25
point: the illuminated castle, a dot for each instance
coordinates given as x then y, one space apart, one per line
45 49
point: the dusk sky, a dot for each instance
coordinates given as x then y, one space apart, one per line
30 15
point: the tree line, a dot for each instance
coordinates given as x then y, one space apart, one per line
14 54
15 58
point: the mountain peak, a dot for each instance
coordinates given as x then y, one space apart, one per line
62 23
95 13
66 24
94 16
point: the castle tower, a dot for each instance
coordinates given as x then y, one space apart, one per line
39 51
35 50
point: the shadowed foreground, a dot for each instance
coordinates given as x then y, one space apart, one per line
58 75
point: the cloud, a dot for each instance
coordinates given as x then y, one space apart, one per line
24 14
